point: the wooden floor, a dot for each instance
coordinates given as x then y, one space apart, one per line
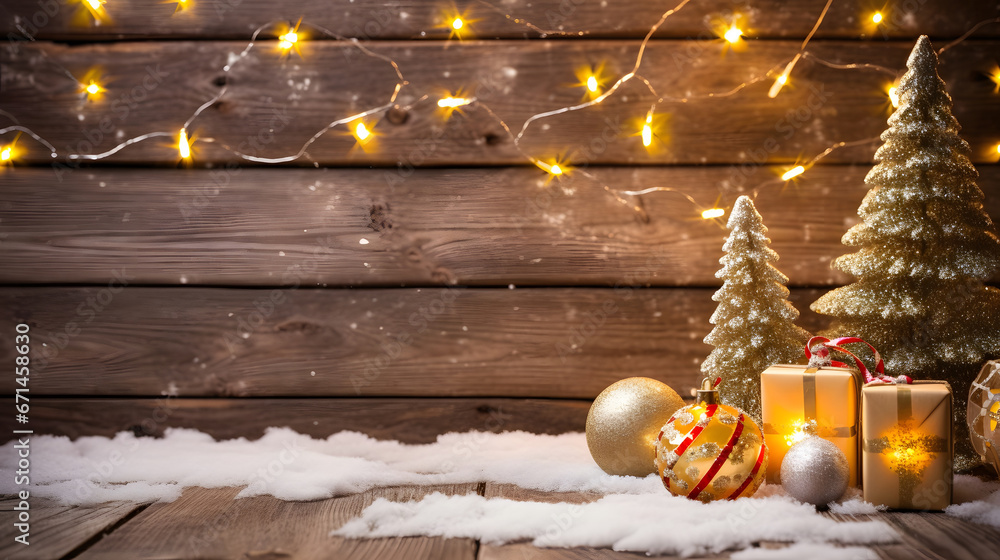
210 523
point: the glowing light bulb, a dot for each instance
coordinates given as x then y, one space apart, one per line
713 213
592 84
457 23
362 132
793 172
6 154
733 34
783 77
877 17
94 4
998 148
647 135
288 40
183 146
894 96
453 102
93 88
553 168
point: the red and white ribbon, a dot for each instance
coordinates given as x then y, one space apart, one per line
818 352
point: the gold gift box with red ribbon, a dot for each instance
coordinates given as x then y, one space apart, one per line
793 396
907 444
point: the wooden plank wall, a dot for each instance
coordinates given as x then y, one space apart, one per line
435 280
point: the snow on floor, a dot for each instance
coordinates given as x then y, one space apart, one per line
635 514
654 523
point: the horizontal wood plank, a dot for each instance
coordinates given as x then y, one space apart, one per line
211 523
274 104
55 530
318 228
939 536
382 19
563 343
406 420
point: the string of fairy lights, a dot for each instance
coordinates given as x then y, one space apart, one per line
288 39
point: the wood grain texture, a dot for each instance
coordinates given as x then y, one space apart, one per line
931 536
563 343
382 19
406 420
210 523
274 104
57 530
938 536
271 227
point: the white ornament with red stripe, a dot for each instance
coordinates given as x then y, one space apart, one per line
709 451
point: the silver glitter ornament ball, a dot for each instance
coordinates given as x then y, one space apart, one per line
815 471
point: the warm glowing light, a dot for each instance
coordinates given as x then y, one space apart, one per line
453 102
651 129
183 146
733 34
894 96
995 76
591 79
288 40
877 17
6 154
907 450
793 172
93 89
362 132
94 4
783 77
291 38
712 213
553 169
459 24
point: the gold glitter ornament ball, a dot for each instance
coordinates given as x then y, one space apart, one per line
709 451
984 414
623 422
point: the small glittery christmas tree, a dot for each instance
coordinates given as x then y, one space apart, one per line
926 248
754 323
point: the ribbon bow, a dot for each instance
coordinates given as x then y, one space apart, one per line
818 352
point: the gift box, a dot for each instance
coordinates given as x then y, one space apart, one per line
907 444
794 396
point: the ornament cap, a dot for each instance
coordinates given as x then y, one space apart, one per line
708 393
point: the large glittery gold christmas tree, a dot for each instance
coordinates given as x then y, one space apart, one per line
926 249
754 323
